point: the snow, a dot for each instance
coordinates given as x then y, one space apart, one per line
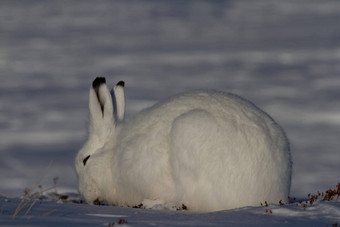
282 55
46 213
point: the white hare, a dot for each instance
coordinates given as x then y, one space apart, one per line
207 150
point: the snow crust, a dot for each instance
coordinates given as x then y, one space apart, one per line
46 213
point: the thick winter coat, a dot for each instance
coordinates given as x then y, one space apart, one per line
208 150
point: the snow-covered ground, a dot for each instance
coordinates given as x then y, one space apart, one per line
282 55
59 212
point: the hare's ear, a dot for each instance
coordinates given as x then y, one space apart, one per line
101 109
118 99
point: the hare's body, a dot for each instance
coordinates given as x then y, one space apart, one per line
208 150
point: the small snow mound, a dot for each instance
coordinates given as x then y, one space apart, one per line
108 215
157 205
320 209
153 204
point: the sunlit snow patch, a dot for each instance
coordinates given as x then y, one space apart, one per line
108 215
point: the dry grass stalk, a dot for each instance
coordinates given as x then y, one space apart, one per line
22 204
28 210
35 195
49 212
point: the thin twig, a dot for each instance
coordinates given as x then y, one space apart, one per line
49 212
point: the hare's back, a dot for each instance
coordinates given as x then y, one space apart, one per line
225 108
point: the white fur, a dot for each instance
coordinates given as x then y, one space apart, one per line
118 99
208 150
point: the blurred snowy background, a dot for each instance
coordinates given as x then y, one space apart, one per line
282 55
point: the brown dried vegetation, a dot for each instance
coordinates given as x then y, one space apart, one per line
281 203
138 206
332 194
183 207
269 211
120 222
329 195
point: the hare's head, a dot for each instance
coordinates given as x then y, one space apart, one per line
93 160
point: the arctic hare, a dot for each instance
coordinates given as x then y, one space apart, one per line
208 150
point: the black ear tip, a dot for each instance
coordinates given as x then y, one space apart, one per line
121 83
98 81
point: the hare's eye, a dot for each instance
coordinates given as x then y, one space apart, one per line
85 160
